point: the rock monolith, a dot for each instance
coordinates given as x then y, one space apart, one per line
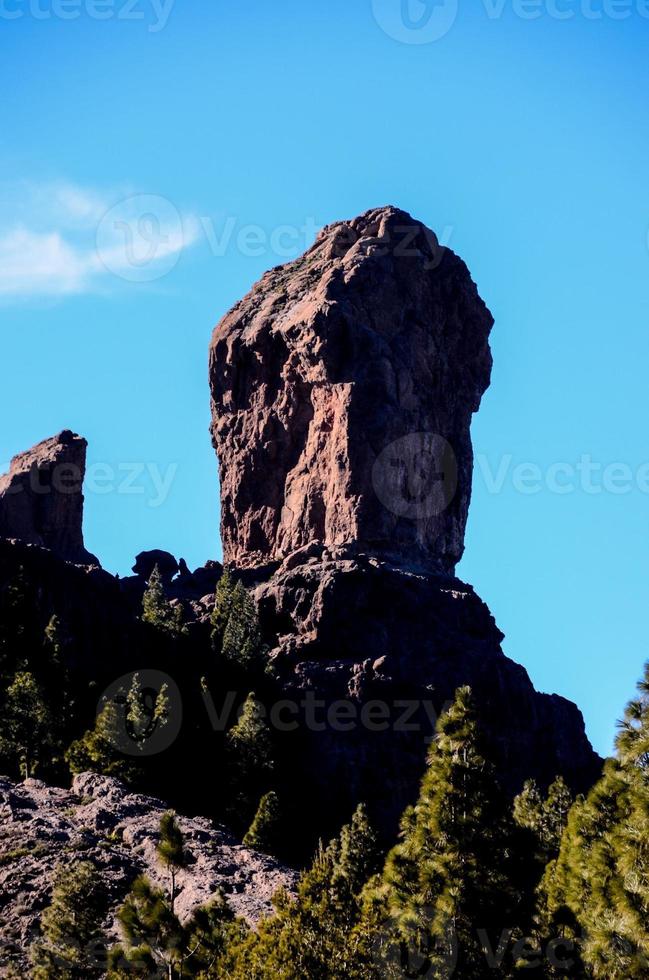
41 497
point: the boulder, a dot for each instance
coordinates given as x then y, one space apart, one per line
146 561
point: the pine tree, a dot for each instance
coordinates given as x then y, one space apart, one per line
263 833
250 762
597 891
26 727
73 945
313 935
556 808
545 818
446 889
57 679
123 722
242 638
145 714
97 751
212 932
171 851
54 640
358 855
222 608
155 939
157 944
528 807
576 883
236 634
616 942
157 611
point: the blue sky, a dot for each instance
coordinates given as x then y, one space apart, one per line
221 135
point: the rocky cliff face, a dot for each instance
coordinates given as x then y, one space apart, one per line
41 497
343 387
100 821
391 646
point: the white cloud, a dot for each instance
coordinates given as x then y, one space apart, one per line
32 263
77 204
59 239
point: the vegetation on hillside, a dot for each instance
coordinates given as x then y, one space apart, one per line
476 885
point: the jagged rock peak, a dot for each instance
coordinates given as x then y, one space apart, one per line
343 387
41 497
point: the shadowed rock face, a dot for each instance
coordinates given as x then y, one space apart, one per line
41 497
361 632
343 387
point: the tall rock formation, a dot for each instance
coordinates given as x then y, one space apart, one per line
41 497
343 387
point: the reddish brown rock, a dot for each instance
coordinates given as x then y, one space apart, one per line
343 387
41 497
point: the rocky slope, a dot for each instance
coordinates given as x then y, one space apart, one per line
41 497
99 820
